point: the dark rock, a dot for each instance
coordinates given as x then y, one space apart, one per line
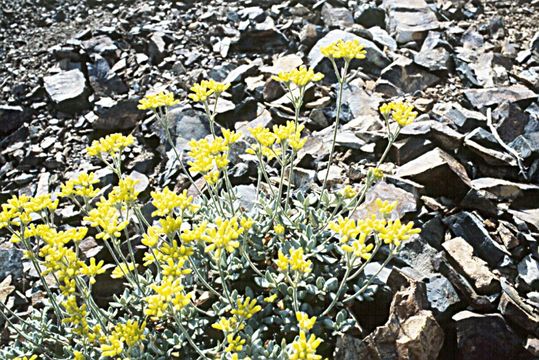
439 172
409 21
433 232
369 16
527 145
122 115
434 54
480 200
68 91
486 337
517 312
528 272
262 33
157 48
460 254
454 113
480 98
103 80
12 118
407 76
409 148
336 17
469 227
11 264
511 121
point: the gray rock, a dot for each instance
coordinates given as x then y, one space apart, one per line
157 48
469 227
381 37
11 264
480 98
434 54
528 272
486 337
374 61
454 113
68 91
121 115
442 296
12 118
410 20
460 254
336 17
407 76
439 172
510 121
517 312
409 148
527 145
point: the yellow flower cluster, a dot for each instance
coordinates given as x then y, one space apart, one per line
201 91
19 209
290 134
299 77
235 344
122 270
128 334
125 192
246 308
348 192
376 173
169 296
296 261
211 156
346 50
111 144
305 323
224 235
304 348
395 232
154 101
400 111
106 217
285 135
82 186
385 207
167 201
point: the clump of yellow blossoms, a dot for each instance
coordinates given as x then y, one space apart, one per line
154 101
400 111
203 90
211 273
299 77
111 144
346 50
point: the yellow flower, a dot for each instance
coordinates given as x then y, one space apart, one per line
111 144
77 355
170 225
167 201
151 237
385 207
93 269
106 217
212 177
230 136
168 294
201 91
346 50
304 348
82 186
304 322
224 236
124 192
245 309
348 192
395 232
208 155
346 228
291 134
377 173
296 261
279 229
400 111
129 333
154 101
227 324
235 344
359 249
270 298
300 76
121 270
32 357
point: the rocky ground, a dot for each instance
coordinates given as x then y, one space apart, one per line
467 171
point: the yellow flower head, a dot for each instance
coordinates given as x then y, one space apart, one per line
385 207
400 111
167 201
111 144
304 348
377 173
201 91
154 101
271 298
296 261
359 249
246 308
299 77
235 344
121 270
348 192
279 229
305 323
346 50
395 232
227 324
82 186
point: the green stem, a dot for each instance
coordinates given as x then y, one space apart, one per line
341 286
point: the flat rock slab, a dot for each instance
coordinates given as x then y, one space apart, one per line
68 90
460 254
439 172
409 20
470 227
480 98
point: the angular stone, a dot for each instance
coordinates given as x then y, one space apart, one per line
474 269
506 190
454 113
517 312
527 145
410 20
439 172
442 296
122 115
157 48
381 37
511 121
486 337
11 264
373 62
480 98
407 76
68 91
336 17
528 272
470 227
409 148
370 16
12 118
